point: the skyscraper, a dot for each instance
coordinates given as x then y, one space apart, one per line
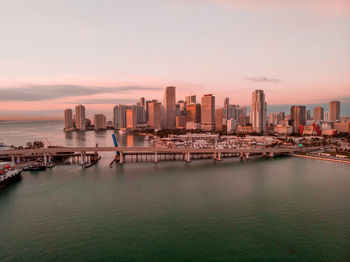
119 116
131 118
100 122
169 107
226 101
219 119
193 113
154 114
208 112
68 119
318 113
298 117
258 113
80 117
190 99
334 110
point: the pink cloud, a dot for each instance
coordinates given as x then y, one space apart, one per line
324 7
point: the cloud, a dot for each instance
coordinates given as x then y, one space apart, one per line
106 101
323 7
262 79
51 92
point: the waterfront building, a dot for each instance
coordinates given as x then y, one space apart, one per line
131 118
219 119
80 118
68 119
244 129
342 127
258 113
334 110
231 125
298 117
208 112
119 116
154 114
283 129
140 113
193 126
190 99
318 113
169 107
100 122
180 122
193 113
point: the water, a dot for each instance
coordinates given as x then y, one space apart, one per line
282 209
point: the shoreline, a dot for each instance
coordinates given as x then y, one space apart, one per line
322 158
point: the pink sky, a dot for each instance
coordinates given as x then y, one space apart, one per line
297 51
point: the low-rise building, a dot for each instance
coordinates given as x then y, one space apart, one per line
232 125
342 127
181 122
244 129
283 129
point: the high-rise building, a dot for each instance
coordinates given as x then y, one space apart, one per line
226 101
80 117
119 116
276 118
100 122
154 114
258 113
208 112
131 118
318 113
169 107
219 119
334 110
190 99
142 101
180 122
298 117
140 113
326 116
193 113
68 119
181 108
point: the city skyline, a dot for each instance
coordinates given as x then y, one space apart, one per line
105 53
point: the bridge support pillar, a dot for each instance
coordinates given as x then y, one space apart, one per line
18 159
82 158
155 157
246 155
264 153
219 156
121 160
272 154
188 157
45 159
241 155
12 158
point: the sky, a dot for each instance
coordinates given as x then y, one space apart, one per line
56 54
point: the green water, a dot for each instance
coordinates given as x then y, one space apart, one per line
282 209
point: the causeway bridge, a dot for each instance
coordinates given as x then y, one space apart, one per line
155 154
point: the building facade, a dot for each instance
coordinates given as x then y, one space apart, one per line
258 113
68 119
208 112
334 110
80 118
169 107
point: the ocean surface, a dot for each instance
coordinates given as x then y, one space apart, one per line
281 209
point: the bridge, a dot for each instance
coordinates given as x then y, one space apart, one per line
150 153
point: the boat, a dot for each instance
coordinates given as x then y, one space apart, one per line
9 173
35 167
